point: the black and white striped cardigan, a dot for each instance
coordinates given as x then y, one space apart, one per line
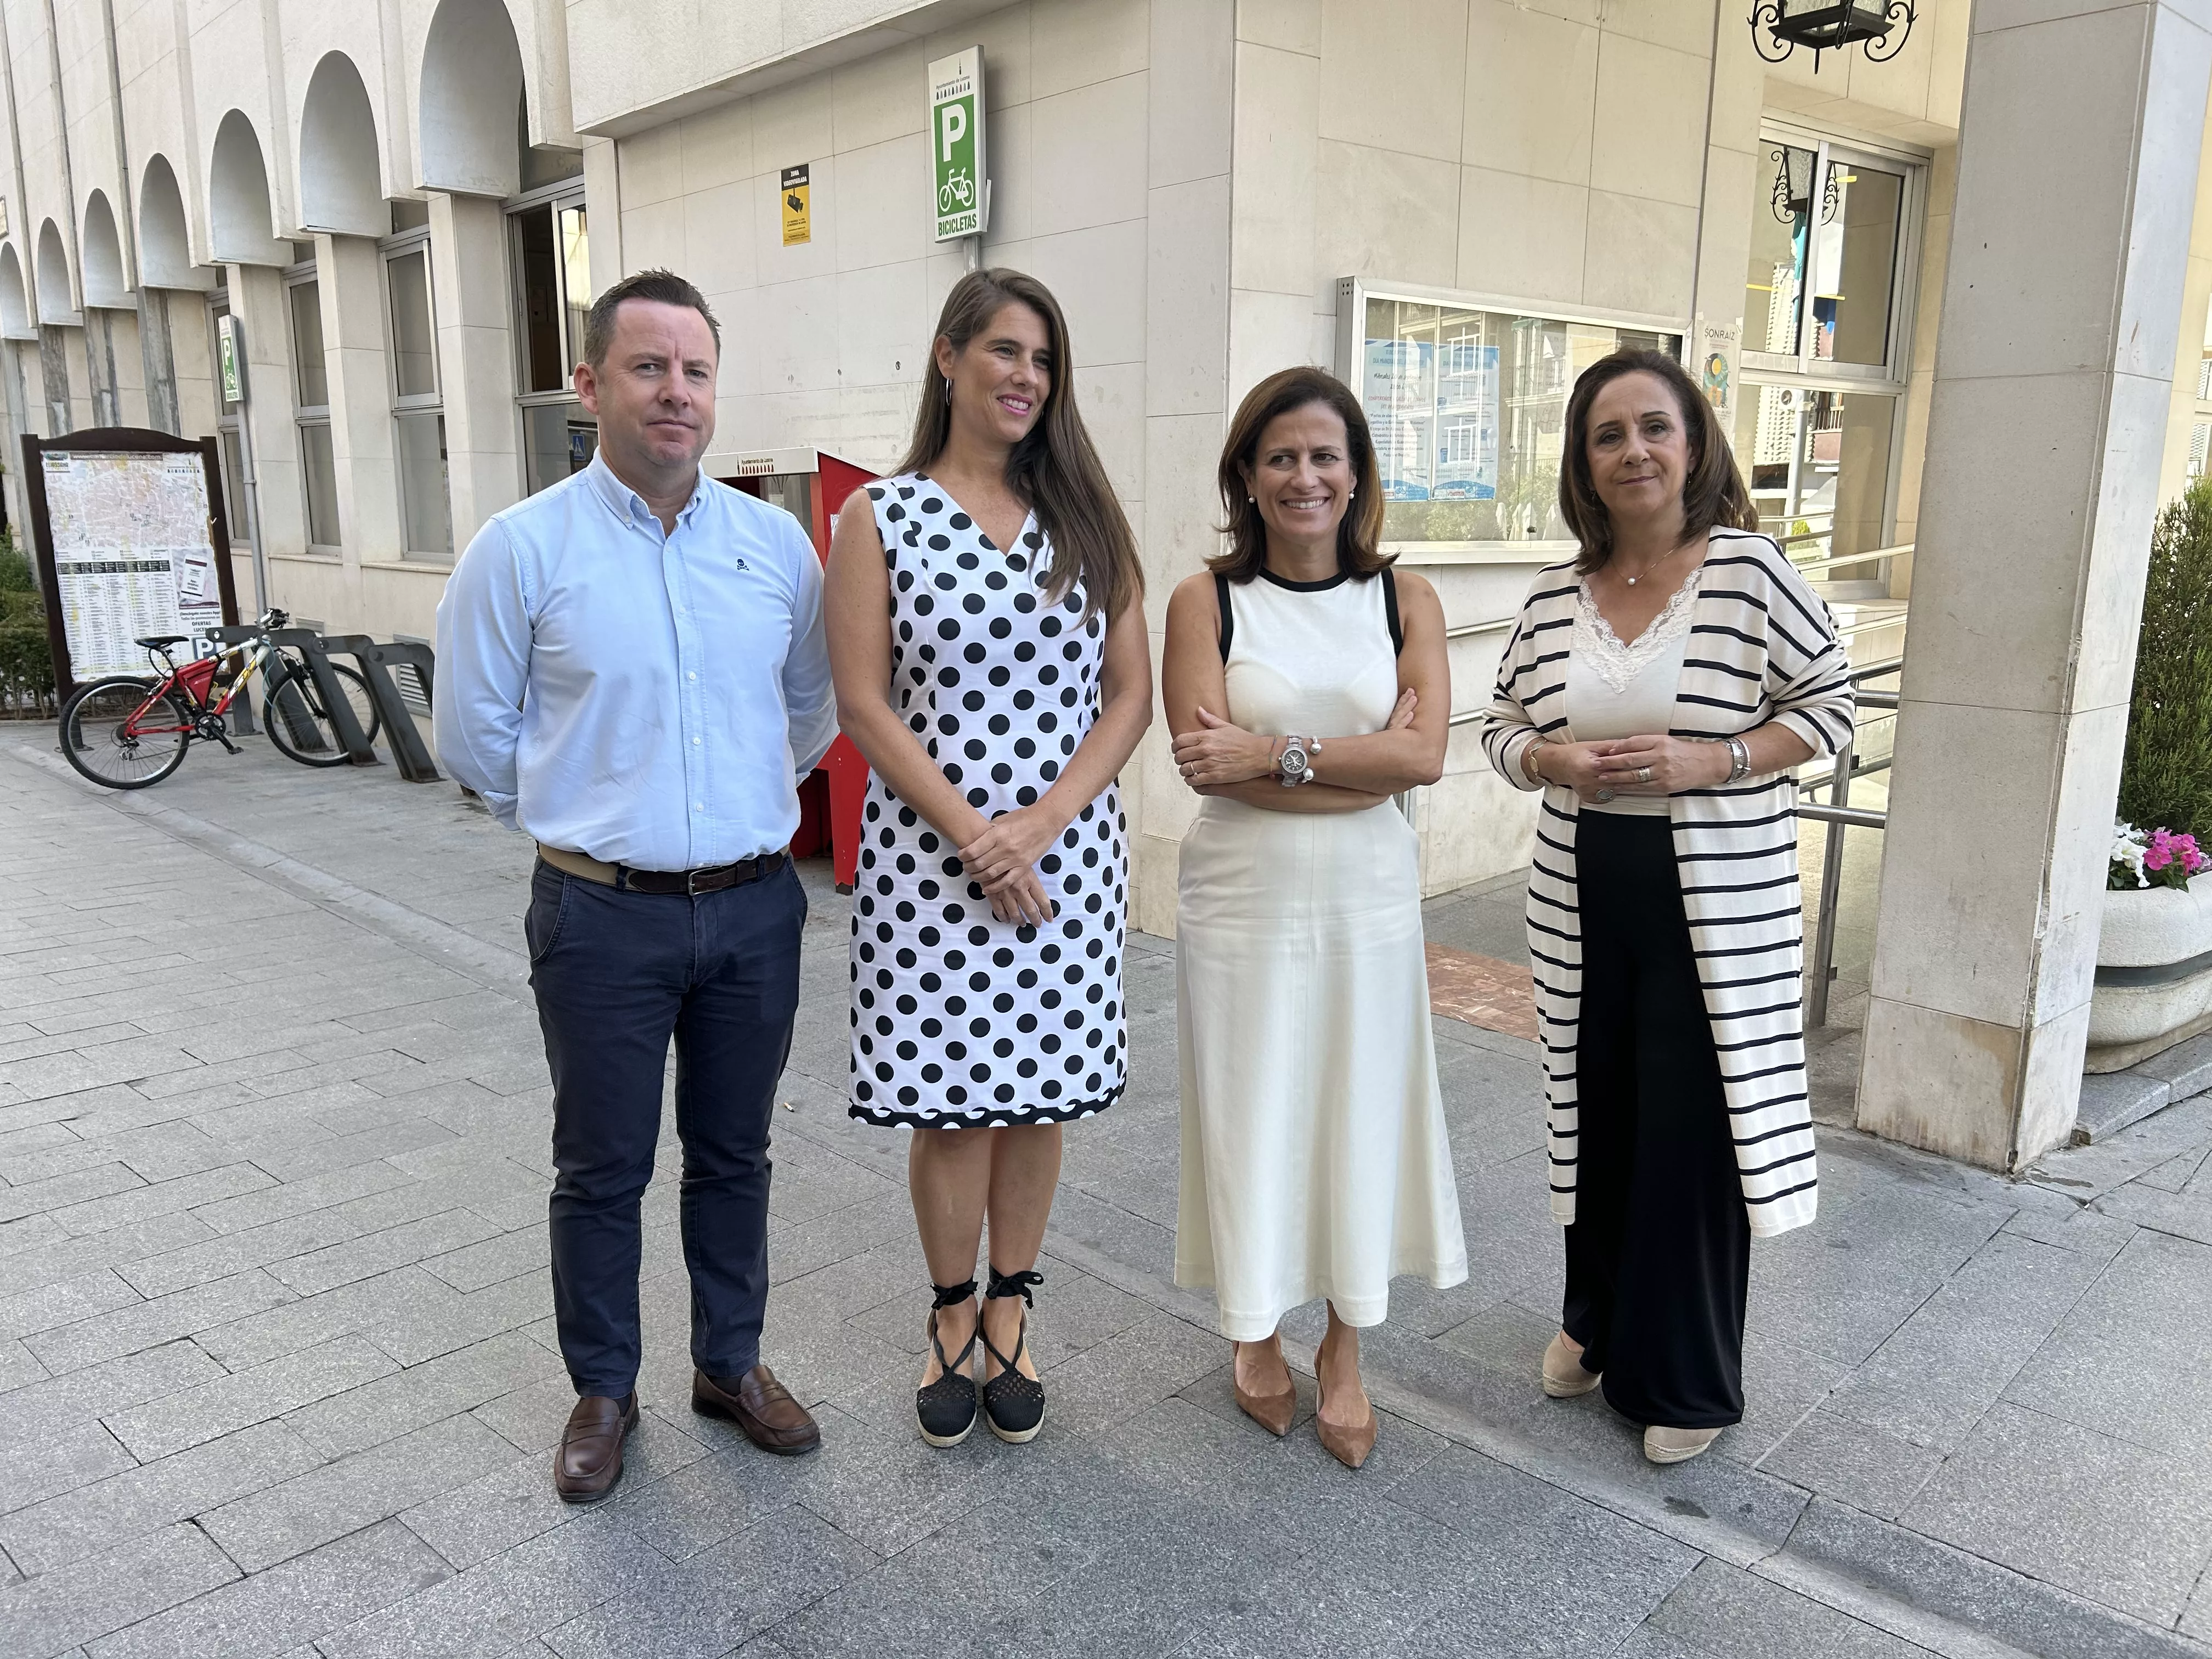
1762 647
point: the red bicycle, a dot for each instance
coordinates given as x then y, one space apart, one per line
127 731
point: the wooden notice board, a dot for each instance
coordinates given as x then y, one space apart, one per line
128 529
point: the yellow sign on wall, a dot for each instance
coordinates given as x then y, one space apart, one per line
798 209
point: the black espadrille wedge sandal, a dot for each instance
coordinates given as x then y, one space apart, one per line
946 1408
1013 1403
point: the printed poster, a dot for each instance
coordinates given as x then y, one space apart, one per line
133 553
1399 391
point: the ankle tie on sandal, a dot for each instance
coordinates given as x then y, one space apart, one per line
949 1294
1013 1284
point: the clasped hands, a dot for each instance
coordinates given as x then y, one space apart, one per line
1219 754
1636 766
1002 860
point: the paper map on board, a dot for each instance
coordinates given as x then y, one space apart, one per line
131 553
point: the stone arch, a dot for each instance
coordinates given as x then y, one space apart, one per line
15 307
56 303
238 216
471 87
341 187
105 282
164 250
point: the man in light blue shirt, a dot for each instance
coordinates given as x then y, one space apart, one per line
632 672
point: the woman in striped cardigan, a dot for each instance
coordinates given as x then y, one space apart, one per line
1660 690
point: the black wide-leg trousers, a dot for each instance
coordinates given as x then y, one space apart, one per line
1659 1256
618 976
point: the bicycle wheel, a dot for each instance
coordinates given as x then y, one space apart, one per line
366 713
299 725
121 734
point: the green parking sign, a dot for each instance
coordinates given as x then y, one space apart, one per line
955 145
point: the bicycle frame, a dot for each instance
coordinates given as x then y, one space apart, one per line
195 679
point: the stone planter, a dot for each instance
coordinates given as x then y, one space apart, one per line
2153 973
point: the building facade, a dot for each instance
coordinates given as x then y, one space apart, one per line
1454 203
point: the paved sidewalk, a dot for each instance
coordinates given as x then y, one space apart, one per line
277 1375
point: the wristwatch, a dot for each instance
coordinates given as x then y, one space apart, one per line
1292 765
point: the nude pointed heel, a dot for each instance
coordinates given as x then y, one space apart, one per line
1349 1446
1272 1411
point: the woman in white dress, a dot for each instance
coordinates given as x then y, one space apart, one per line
1306 684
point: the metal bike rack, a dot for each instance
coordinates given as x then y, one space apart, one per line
315 650
377 659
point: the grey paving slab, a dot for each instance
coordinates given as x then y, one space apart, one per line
283 1610
713 1601
329 1500
65 1301
1984 1599
156 1320
379 1252
2105 1519
422 1395
50 1615
514 1500
1940 1371
46 1406
253 1395
2119 1100
45 1465
1854 1462
78 1523
2130 1361
2177 1212
1729 1613
535 1587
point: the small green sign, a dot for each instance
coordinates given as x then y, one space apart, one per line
956 146
230 341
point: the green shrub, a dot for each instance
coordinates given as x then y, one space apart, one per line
2166 769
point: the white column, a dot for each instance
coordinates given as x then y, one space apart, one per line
2053 376
348 275
257 299
476 359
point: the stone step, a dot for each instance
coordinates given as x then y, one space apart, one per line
2112 1101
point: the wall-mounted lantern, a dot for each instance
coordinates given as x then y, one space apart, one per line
1779 27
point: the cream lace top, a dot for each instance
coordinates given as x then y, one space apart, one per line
1618 689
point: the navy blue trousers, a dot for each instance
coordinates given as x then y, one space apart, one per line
618 975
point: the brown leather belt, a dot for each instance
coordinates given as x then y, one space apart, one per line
712 879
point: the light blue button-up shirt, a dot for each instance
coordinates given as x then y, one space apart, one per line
647 699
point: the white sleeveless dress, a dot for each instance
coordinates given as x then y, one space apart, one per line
1315 1160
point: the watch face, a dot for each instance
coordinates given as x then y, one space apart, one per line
1294 762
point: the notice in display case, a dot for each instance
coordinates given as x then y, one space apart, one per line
130 543
1400 395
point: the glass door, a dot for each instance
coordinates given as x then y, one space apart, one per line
1827 350
552 300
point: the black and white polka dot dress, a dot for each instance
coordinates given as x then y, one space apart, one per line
959 1019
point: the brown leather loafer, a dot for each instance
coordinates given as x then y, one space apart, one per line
761 1406
590 1458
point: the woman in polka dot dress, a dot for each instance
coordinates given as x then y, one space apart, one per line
992 665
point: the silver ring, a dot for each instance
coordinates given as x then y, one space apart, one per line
1644 775
1605 794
